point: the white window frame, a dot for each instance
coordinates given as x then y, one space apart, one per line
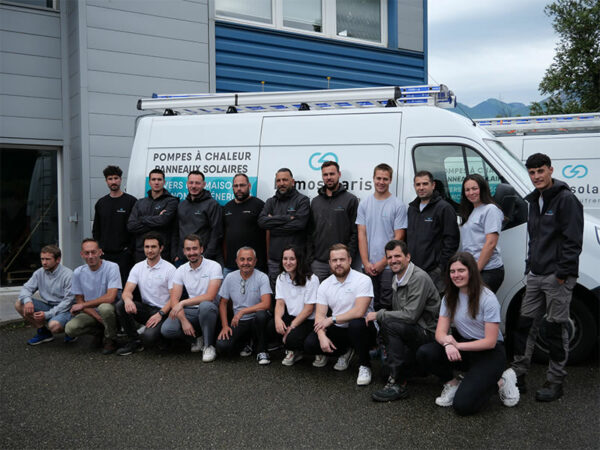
329 30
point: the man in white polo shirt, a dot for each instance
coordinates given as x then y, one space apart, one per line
349 295
250 292
153 278
195 318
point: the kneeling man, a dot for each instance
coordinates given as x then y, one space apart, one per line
250 292
349 295
195 317
153 277
95 286
409 323
51 313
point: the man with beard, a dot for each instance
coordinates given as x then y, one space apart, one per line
432 234
199 214
155 212
195 318
240 219
348 294
409 323
285 217
153 278
111 214
333 217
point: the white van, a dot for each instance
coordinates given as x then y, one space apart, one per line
351 127
572 141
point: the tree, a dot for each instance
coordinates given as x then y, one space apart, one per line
573 79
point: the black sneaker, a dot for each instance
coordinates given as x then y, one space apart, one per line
549 392
390 392
521 384
110 346
130 347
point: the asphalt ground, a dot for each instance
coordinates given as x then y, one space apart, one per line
67 396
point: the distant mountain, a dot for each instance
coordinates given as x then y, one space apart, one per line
492 108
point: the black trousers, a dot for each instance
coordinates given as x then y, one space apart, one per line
493 278
357 335
255 328
483 370
402 340
130 322
295 338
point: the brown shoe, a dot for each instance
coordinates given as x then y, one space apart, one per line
97 341
110 346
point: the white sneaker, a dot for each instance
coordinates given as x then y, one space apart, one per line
509 392
447 396
198 345
209 354
263 358
364 376
291 357
320 361
344 361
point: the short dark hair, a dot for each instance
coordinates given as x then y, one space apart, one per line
53 250
159 171
89 239
194 237
285 169
196 172
240 175
424 173
111 171
340 246
391 245
154 235
538 160
385 167
330 163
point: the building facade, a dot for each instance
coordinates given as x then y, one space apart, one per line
71 72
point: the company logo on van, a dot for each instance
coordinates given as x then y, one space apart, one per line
317 159
578 171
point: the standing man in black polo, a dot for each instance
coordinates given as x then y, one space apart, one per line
432 234
199 214
555 227
240 219
333 217
285 216
110 222
155 212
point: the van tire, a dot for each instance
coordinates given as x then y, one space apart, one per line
584 334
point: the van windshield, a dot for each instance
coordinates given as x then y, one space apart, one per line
511 161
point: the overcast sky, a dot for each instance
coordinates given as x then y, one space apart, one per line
490 49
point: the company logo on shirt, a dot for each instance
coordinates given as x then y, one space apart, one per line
121 210
291 209
549 213
317 159
198 212
428 219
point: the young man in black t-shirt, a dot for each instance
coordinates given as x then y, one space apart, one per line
110 222
240 218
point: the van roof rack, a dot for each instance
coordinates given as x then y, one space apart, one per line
552 124
435 95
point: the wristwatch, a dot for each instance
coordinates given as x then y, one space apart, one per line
333 319
162 313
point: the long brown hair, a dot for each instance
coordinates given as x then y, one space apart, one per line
474 287
485 197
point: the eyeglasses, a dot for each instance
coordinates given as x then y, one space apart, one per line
242 286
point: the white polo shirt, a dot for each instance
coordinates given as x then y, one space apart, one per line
153 282
341 297
295 297
196 280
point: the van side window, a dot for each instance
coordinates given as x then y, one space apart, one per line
451 163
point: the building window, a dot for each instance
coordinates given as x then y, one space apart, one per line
43 4
357 20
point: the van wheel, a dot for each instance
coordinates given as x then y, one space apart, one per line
582 334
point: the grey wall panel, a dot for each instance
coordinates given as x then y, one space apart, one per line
30 86
27 128
147 65
42 23
110 125
30 44
118 105
139 44
119 83
410 25
187 11
31 107
150 25
29 65
110 146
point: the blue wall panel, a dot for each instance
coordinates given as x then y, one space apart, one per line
247 55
